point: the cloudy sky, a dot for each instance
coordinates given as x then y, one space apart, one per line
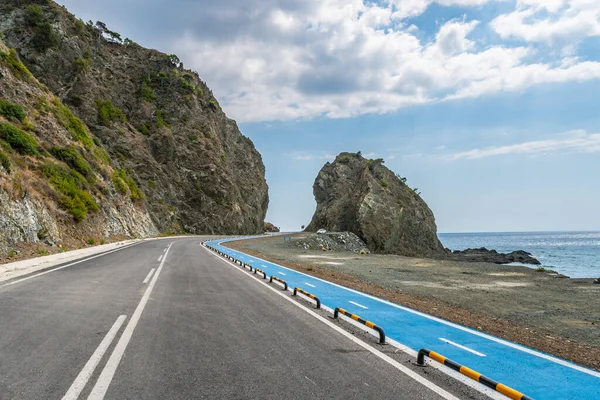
489 107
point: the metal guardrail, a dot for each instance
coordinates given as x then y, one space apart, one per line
247 265
362 321
312 296
256 270
274 278
476 376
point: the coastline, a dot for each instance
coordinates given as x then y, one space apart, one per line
537 309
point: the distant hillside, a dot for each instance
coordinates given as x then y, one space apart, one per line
101 136
363 196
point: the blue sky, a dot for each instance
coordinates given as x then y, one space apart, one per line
488 107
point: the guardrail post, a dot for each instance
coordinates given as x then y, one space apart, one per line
355 317
280 281
312 296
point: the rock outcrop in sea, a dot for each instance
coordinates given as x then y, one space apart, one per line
362 196
484 255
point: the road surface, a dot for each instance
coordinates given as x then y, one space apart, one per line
166 319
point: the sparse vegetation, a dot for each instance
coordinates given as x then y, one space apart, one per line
147 92
144 129
344 159
71 157
5 162
15 65
91 241
213 104
108 113
151 184
193 138
384 184
12 111
72 189
71 123
44 37
123 182
161 119
18 140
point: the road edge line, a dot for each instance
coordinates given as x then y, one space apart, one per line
52 269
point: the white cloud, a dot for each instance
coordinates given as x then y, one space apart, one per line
550 21
577 141
293 59
303 156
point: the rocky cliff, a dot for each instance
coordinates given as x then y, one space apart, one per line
363 196
142 136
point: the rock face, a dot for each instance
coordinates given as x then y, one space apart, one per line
163 155
484 255
54 186
364 197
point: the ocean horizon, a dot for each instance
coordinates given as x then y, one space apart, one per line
572 253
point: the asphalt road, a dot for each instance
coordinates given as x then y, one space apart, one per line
197 329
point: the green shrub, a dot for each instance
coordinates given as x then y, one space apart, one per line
91 241
108 113
12 111
71 123
5 161
344 159
71 157
102 155
123 182
144 129
161 119
214 104
15 65
151 184
193 138
82 64
118 183
44 37
384 184
20 141
71 186
147 92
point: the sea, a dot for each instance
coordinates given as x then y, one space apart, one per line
575 254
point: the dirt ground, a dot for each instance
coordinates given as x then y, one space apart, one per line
560 316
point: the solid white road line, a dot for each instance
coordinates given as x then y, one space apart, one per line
160 258
359 305
87 371
462 328
428 384
106 377
148 276
460 346
308 284
68 265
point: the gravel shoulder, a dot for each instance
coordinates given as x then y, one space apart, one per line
541 310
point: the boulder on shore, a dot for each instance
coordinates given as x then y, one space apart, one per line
364 197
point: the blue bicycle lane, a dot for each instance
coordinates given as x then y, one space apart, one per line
529 371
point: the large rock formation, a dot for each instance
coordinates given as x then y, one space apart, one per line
163 155
363 196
